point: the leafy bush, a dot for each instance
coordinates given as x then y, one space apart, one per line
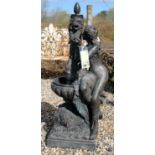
103 21
59 18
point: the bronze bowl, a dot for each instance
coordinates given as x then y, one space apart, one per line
63 87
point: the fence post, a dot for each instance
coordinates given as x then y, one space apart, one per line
89 14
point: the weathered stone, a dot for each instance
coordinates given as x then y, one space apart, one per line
69 130
54 42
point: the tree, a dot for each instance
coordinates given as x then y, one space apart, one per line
102 14
110 14
58 17
105 24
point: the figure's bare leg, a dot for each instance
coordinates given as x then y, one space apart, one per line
86 86
95 109
95 103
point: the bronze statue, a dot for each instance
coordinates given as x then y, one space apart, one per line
75 124
99 70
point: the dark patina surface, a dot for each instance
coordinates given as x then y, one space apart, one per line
75 123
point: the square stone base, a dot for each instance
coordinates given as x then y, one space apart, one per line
73 144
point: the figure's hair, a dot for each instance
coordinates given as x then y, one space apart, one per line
90 32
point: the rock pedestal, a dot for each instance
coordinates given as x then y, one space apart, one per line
69 130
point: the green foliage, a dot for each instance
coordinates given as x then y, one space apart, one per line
110 14
102 14
106 15
104 21
105 24
59 18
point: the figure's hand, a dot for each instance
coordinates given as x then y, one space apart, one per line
75 37
93 51
77 40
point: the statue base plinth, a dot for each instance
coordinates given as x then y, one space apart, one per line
73 144
69 130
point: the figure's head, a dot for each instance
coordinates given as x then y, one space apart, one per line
90 33
77 22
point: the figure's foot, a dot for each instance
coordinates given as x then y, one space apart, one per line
92 136
93 131
100 115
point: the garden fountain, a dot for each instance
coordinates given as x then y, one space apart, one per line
75 123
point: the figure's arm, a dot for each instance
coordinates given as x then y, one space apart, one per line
94 50
76 37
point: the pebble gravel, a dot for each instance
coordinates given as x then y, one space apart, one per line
105 137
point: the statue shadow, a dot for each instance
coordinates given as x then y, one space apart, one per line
109 87
72 108
47 114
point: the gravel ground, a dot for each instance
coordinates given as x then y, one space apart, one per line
105 138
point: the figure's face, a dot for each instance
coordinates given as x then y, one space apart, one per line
77 23
90 33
